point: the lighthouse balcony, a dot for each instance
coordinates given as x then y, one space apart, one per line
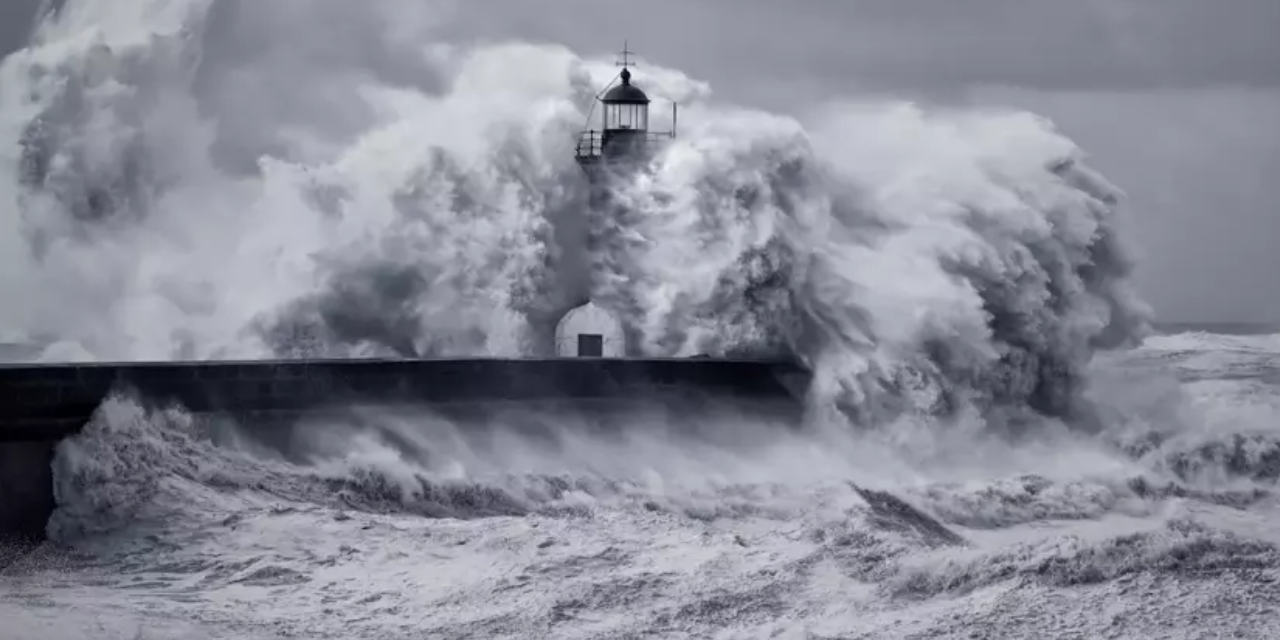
620 142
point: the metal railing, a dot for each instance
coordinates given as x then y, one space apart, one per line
591 142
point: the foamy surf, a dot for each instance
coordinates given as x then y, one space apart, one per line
818 532
179 181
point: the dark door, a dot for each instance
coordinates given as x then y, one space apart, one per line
590 345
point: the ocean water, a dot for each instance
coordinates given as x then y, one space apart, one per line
1163 524
996 446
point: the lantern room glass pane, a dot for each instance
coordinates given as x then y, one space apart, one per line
626 116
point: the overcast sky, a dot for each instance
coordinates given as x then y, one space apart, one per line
1178 101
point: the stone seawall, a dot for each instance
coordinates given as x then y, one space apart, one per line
42 404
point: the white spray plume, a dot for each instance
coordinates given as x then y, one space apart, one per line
211 179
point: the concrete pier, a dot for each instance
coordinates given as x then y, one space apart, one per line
26 489
42 404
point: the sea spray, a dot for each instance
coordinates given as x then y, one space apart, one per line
917 261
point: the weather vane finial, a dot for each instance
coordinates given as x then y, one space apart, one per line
625 54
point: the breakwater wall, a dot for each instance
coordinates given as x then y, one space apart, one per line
42 404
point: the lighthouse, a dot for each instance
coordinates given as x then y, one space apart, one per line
623 139
618 145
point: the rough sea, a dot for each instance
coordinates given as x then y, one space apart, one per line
999 444
1162 525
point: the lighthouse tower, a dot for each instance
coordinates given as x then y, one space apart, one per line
621 145
624 138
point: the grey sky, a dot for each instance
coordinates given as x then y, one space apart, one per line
1178 101
15 21
924 44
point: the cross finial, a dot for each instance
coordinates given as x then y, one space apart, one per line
625 54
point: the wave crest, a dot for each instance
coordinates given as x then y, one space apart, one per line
917 260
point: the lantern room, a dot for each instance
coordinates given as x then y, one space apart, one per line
626 107
624 135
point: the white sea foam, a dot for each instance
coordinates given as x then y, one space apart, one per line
214 179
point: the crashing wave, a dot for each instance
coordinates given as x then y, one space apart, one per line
917 261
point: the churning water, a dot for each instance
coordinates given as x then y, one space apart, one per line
993 448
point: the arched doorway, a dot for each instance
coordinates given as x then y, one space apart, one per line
590 331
